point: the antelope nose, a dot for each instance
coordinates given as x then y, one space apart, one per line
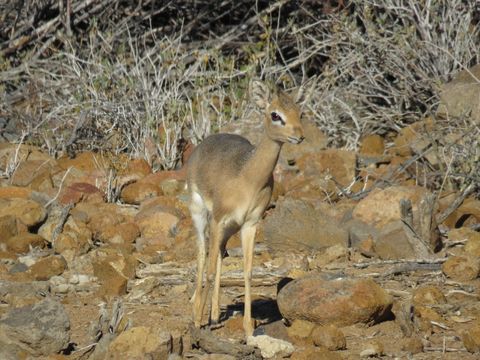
301 138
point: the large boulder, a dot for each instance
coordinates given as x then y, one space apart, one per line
338 302
36 330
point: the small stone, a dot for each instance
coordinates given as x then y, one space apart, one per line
471 339
373 348
330 337
271 347
461 268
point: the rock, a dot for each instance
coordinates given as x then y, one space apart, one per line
467 214
359 231
392 242
413 137
74 240
28 170
101 217
137 192
22 293
462 268
21 243
339 164
459 97
382 206
331 254
300 329
157 220
471 338
315 353
372 145
412 345
139 343
297 225
423 317
137 167
120 235
86 161
40 329
428 295
9 192
339 302
372 349
113 269
234 325
47 267
8 228
171 187
315 141
29 212
78 191
469 236
271 347
330 337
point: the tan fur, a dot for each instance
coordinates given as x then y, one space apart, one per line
230 185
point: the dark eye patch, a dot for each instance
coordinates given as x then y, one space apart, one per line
277 118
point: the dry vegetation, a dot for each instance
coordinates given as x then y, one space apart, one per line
144 78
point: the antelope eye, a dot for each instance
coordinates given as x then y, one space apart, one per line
276 117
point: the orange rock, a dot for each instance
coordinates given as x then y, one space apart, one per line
15 192
137 192
330 337
372 145
412 135
428 295
382 206
340 164
21 243
47 267
86 161
77 192
8 228
462 268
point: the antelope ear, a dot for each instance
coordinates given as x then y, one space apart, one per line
260 94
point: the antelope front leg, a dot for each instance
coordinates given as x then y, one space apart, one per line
248 240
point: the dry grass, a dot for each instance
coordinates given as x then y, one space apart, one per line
373 66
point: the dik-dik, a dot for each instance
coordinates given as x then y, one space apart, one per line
230 184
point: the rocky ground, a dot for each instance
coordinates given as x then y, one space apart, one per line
354 259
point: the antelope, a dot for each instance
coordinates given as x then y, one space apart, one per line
230 184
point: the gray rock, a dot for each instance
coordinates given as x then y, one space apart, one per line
40 329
